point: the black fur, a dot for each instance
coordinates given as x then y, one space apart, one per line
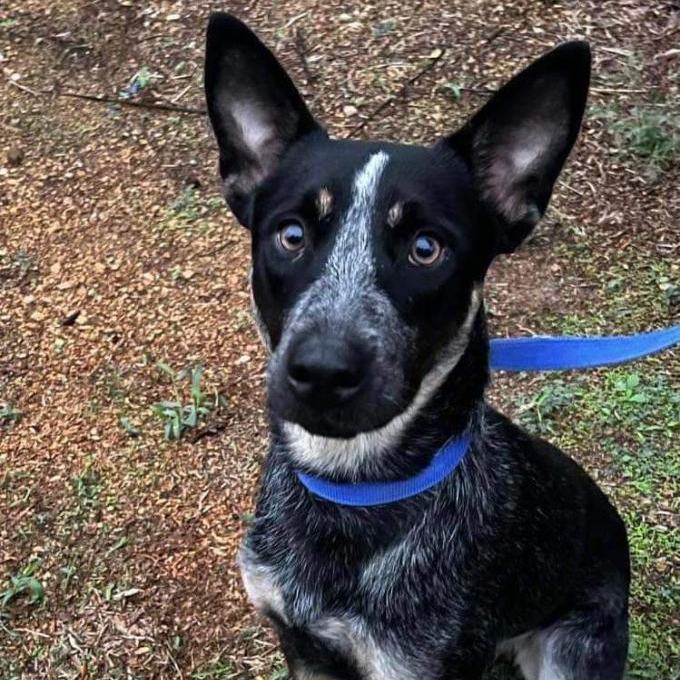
518 543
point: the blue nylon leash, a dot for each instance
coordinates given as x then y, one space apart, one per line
569 352
506 354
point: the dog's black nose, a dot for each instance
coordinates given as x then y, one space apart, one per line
326 370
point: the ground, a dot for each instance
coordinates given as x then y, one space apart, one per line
119 267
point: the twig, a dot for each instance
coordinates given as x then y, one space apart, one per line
400 92
177 97
158 106
403 89
19 86
618 90
138 105
209 431
295 19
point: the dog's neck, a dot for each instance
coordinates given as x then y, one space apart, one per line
401 449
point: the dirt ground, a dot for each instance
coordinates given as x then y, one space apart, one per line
116 253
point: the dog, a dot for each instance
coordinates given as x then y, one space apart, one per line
368 262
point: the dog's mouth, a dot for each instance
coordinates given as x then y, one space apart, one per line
336 423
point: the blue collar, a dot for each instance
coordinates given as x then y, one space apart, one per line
506 354
363 494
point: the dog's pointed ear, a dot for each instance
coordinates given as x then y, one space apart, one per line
516 145
255 110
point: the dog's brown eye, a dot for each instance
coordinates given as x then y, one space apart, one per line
425 251
291 237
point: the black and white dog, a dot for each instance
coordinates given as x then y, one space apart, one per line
368 267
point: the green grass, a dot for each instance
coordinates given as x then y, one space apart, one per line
190 208
88 487
633 290
217 669
648 133
626 420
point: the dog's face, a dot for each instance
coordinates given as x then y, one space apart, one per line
365 258
368 258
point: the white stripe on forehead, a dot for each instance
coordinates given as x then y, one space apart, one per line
352 255
350 268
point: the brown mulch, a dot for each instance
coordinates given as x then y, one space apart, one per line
115 253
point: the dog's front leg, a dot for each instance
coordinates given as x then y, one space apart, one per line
466 671
468 661
310 658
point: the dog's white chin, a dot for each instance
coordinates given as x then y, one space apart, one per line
362 452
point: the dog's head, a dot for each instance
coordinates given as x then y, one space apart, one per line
368 257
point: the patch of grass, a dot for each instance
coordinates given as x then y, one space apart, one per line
88 487
9 416
24 584
186 206
128 427
627 420
539 415
189 208
635 290
651 134
178 415
217 669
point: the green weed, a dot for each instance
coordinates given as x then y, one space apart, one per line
88 487
648 133
24 583
218 669
178 415
128 427
455 89
190 208
186 206
541 413
9 416
139 81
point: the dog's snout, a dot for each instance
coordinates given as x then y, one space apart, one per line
326 370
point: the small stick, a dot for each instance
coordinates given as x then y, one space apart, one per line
139 105
618 90
402 90
24 88
158 106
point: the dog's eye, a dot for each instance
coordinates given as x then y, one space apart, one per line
425 251
291 237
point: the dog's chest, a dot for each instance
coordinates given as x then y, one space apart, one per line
346 633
